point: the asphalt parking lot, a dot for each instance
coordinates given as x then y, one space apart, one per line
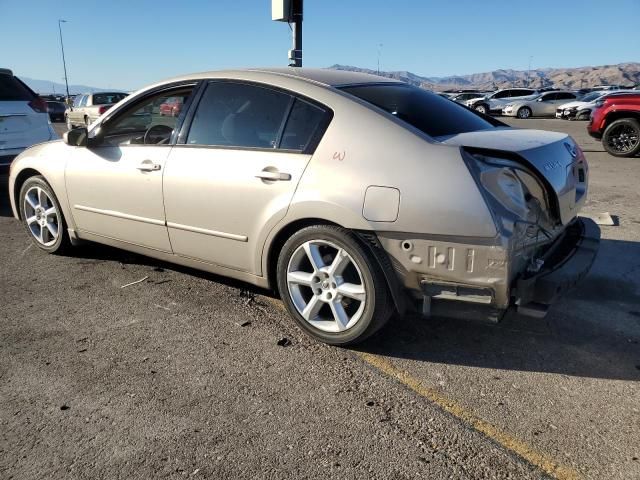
187 375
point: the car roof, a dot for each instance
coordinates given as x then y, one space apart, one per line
324 76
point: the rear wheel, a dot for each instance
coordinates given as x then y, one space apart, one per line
524 112
42 216
622 138
331 286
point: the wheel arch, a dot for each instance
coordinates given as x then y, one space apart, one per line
367 239
22 177
619 115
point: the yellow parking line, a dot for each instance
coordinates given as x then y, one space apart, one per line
512 444
540 460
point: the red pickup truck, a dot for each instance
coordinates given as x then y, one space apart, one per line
616 120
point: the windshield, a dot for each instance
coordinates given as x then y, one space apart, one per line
592 96
430 113
106 98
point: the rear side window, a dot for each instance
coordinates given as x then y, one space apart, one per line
239 115
107 98
13 90
430 113
304 120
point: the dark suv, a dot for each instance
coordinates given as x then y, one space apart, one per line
616 120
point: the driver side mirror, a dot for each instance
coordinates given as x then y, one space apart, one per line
76 137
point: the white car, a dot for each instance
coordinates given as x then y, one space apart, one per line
24 120
542 105
581 110
494 102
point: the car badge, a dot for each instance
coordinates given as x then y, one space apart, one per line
571 149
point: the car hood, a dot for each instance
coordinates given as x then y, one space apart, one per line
553 155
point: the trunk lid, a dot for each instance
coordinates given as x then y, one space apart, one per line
554 156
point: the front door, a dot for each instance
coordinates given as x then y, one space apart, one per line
115 185
234 177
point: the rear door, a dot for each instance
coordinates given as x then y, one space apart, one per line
233 177
23 116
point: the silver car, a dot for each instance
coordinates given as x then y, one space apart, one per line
542 105
353 195
87 108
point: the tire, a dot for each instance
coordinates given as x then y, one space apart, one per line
69 124
33 206
583 116
524 112
346 283
482 108
622 138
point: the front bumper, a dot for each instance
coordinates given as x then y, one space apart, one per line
566 262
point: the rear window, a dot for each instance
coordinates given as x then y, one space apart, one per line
106 98
430 113
12 90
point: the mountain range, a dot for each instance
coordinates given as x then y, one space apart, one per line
571 78
45 87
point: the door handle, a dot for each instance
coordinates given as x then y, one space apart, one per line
147 166
273 176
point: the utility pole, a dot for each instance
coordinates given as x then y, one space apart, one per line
379 54
529 70
64 63
290 11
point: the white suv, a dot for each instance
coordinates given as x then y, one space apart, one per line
24 120
494 102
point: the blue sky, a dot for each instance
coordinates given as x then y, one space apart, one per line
127 44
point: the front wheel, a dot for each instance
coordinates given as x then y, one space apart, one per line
622 138
42 216
332 286
524 112
482 108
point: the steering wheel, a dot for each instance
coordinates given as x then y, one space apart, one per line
157 135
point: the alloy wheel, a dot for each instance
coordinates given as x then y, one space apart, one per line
623 138
41 216
326 286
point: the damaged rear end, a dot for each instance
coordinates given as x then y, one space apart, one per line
534 183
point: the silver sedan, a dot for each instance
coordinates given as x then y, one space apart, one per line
354 196
542 105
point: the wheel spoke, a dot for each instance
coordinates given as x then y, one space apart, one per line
50 211
30 201
313 254
31 220
42 197
339 315
339 263
312 308
352 290
53 229
300 278
41 234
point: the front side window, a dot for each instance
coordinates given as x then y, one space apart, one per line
503 94
420 108
143 122
565 96
239 115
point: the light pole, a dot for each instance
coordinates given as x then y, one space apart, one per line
379 53
529 70
64 63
